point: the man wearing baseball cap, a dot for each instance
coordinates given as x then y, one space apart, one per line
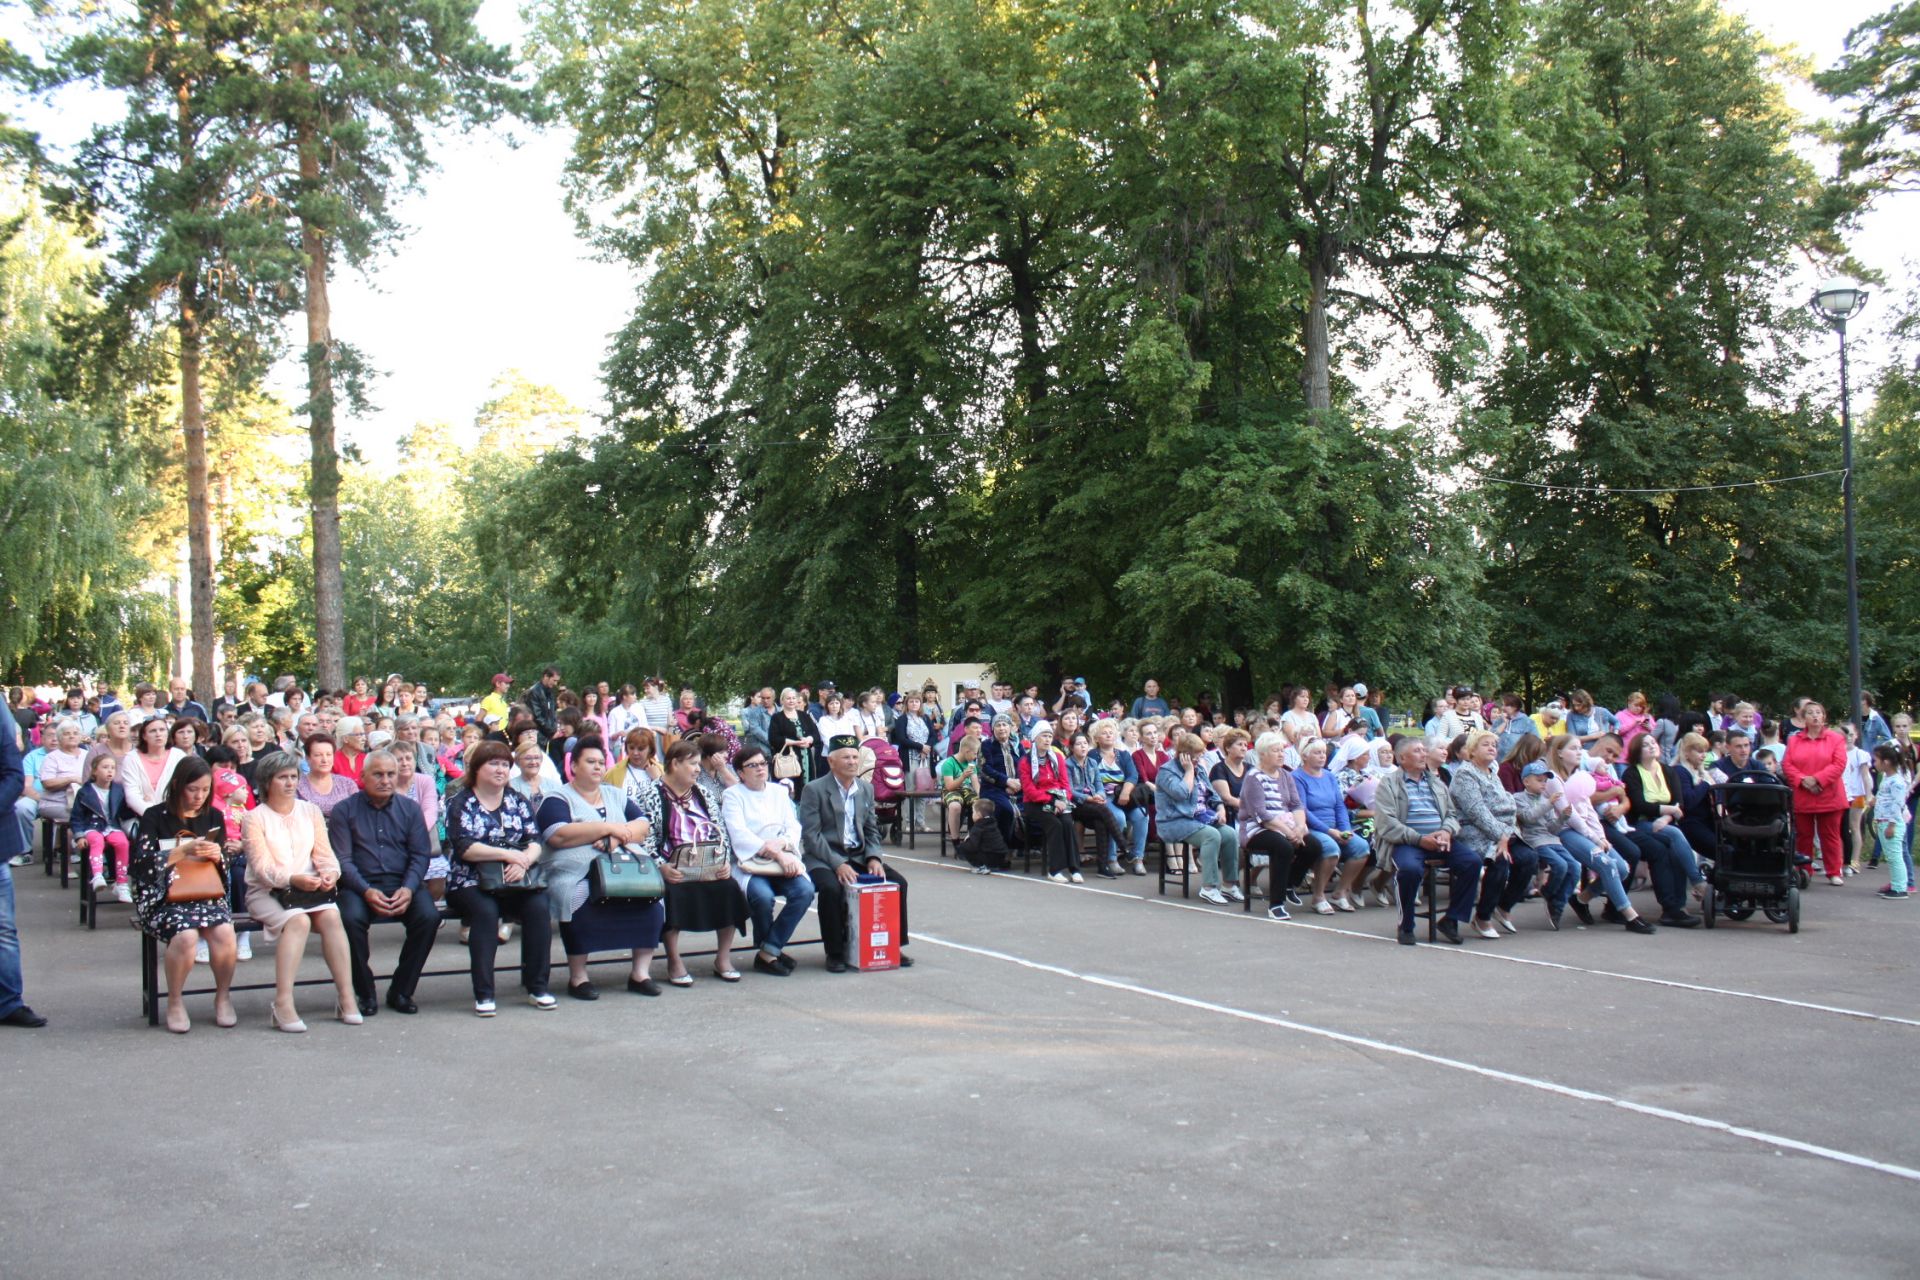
495 703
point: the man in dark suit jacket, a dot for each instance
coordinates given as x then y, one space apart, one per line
13 1005
839 840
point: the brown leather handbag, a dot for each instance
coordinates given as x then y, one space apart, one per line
194 879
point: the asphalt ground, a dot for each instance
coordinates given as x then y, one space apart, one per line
1082 1080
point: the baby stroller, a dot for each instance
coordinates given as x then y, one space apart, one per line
888 774
1755 870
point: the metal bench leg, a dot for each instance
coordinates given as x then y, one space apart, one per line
150 978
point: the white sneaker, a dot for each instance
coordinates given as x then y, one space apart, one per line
200 953
506 931
1058 877
1234 895
541 1000
1835 880
1077 878
1213 895
24 860
98 883
483 1008
246 947
123 892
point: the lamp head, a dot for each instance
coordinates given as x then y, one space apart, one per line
1838 301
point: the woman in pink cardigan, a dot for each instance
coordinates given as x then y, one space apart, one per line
1815 767
292 883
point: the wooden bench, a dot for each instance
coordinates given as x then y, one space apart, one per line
150 970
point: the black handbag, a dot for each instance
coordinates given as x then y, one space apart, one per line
306 899
623 874
491 877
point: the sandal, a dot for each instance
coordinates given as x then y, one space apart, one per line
727 975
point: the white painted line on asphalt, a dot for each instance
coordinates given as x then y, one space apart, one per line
1260 917
1455 1064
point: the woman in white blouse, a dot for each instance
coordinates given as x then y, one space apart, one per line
764 828
148 768
292 880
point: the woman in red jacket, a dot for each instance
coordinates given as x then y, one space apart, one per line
1815 768
1047 796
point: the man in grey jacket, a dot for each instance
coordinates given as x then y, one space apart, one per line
840 841
1413 821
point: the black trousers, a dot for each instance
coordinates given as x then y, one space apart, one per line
1106 820
830 900
1287 863
1053 833
422 922
482 913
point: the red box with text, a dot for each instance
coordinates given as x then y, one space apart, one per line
875 911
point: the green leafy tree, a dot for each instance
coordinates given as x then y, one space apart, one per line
1643 356
179 179
72 599
352 92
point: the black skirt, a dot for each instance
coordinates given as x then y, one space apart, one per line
705 906
628 925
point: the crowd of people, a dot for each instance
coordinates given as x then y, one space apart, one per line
323 814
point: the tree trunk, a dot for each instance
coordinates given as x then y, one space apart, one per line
323 486
906 584
1316 374
1236 685
193 428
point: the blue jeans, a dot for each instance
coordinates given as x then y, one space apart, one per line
1609 866
26 812
1410 865
772 934
1504 881
1563 873
12 985
1330 847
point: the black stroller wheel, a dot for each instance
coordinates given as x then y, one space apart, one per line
1793 911
1709 908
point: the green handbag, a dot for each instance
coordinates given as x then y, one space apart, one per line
623 874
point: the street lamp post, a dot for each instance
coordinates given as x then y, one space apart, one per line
1836 302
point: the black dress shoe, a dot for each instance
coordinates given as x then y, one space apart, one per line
1638 925
1449 931
906 961
1582 910
787 963
583 991
367 1005
643 986
1680 920
836 965
1553 918
401 1004
1406 937
23 1017
763 965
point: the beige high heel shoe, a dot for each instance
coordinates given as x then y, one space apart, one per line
293 1024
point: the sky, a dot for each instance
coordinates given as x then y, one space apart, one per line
492 275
